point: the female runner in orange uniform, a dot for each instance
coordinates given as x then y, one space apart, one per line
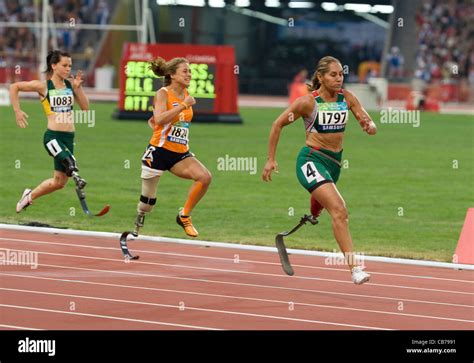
169 146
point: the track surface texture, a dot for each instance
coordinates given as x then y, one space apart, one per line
83 283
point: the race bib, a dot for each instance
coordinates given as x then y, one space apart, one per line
332 116
179 133
148 155
61 100
53 147
311 173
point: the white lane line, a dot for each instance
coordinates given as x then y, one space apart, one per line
106 317
273 317
17 327
243 272
241 298
231 259
233 246
292 289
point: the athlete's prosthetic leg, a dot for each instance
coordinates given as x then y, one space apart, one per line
316 209
72 171
145 205
69 164
280 244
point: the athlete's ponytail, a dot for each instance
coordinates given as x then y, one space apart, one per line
162 68
321 68
54 57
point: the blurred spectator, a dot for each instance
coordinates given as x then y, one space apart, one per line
19 46
88 54
445 33
102 13
471 76
298 87
367 70
395 63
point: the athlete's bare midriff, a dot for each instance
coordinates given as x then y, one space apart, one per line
332 142
65 123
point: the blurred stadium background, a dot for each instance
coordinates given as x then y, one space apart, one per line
397 54
414 45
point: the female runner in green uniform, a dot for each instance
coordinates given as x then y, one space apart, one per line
325 114
57 94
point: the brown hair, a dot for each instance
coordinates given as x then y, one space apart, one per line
54 57
165 69
321 68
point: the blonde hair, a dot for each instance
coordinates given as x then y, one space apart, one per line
165 69
321 68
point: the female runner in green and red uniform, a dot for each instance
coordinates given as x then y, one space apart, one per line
325 112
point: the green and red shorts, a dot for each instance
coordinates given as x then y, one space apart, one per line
315 167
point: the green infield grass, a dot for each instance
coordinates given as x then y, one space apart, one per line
407 188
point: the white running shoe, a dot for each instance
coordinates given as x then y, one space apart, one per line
359 276
24 201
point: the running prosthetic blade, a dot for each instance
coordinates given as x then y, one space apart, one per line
124 247
280 244
82 199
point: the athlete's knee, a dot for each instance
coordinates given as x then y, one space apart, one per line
146 204
70 165
60 181
148 195
205 178
339 212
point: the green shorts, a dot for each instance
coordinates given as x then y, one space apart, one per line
314 169
60 145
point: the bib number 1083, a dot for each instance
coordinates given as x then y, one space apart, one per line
58 101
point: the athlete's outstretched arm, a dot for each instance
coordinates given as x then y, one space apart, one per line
15 88
160 115
81 97
292 113
360 113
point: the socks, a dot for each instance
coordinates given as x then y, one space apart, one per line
195 195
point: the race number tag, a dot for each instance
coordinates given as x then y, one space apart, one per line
61 100
311 173
179 133
53 147
332 116
148 155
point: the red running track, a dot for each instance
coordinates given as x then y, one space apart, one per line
84 283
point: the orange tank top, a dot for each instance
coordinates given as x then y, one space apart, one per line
174 136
